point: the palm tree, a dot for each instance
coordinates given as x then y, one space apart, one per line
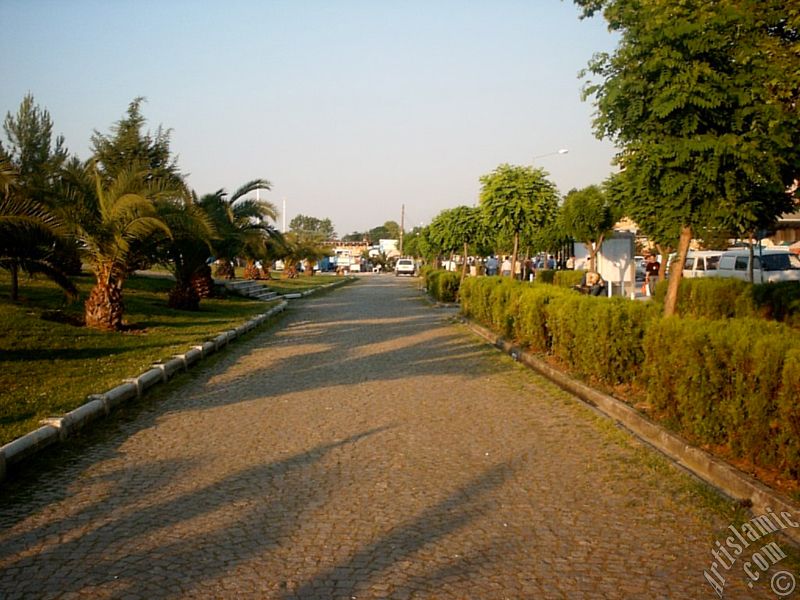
186 253
241 223
114 212
28 235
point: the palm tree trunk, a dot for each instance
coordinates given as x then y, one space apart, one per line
183 297
202 282
104 307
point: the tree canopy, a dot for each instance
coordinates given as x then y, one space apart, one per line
517 199
701 98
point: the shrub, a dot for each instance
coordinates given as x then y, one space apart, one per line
568 279
729 381
545 275
711 297
788 415
779 301
721 384
443 285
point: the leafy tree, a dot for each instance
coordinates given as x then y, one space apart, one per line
311 227
588 216
456 229
129 144
516 200
701 97
28 234
38 158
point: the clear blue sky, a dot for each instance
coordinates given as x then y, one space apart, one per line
349 108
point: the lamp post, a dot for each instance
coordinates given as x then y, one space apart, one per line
561 151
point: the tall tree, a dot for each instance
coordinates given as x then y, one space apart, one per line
114 213
516 200
701 97
456 229
28 234
312 227
38 156
588 216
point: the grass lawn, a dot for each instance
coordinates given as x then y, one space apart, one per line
48 366
299 284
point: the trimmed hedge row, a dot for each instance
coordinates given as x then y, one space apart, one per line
599 338
723 297
734 382
443 285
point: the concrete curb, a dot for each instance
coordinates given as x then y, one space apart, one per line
327 286
57 429
712 470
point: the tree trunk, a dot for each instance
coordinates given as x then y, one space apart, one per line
464 266
183 297
202 282
676 272
752 257
104 307
514 255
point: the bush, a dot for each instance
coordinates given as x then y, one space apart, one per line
779 301
568 279
711 297
545 275
734 382
722 385
443 285
474 297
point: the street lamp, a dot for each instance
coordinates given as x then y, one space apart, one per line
561 151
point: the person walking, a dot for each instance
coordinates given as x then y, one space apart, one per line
651 273
505 268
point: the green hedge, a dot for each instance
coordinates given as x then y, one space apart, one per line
733 384
443 285
568 279
732 381
726 298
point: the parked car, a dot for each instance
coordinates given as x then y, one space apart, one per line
769 265
404 266
700 263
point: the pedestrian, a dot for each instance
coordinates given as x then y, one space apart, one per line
651 273
491 265
505 268
571 263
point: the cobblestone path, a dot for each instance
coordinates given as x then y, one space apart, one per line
365 447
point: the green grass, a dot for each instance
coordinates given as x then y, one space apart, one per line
299 284
48 366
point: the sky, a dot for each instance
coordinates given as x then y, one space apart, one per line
351 109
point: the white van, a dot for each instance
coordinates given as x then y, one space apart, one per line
769 265
700 263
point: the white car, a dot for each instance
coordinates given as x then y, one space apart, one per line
404 266
700 263
769 265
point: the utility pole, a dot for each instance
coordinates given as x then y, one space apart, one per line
284 214
402 226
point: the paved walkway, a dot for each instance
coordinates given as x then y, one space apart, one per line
364 448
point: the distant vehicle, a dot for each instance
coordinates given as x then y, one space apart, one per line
701 263
639 262
404 266
769 265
